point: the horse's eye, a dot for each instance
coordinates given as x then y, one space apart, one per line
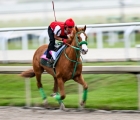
78 37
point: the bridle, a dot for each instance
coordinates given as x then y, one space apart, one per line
78 44
77 48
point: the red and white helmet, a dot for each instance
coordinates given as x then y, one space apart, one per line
69 22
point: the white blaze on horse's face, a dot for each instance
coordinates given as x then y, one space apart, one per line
84 46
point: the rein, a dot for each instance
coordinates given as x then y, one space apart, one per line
77 49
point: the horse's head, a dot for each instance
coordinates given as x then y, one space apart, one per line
78 38
81 39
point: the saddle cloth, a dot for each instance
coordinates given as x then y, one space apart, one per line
55 55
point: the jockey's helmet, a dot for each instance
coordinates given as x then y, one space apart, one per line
69 22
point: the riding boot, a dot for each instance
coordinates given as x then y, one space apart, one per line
48 55
51 44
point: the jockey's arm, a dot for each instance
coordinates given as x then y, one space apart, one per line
57 32
57 37
61 39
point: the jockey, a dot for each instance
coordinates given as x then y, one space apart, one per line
58 31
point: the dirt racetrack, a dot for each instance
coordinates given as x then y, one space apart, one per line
18 113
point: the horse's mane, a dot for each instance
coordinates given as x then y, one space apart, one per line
72 34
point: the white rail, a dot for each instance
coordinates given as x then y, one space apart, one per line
127 28
86 70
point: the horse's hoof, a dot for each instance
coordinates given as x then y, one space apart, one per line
62 106
45 103
82 104
53 94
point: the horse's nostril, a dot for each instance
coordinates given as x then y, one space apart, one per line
85 50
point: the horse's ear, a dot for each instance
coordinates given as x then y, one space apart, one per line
85 28
76 28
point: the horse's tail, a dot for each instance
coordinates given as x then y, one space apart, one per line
28 74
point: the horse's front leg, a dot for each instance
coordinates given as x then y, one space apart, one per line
61 96
81 81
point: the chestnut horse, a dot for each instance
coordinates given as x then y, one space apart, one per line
69 66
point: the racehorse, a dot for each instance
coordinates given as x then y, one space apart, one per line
69 66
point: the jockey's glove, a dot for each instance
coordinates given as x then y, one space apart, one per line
64 41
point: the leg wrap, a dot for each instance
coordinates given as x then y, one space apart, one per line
85 94
42 93
58 98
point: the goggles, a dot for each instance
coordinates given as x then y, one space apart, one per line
70 26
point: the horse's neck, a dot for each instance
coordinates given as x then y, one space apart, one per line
72 53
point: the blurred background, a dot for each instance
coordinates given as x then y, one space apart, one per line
40 12
113 29
20 14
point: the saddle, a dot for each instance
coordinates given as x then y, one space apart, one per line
58 48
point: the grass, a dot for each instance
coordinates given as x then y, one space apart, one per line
106 91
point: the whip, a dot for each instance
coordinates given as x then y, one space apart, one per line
53 10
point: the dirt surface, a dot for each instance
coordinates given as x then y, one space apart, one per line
18 113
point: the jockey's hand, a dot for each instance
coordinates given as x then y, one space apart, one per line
64 41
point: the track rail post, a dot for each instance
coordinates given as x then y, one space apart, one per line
28 92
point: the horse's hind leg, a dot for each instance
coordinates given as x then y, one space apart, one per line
55 87
81 81
40 87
